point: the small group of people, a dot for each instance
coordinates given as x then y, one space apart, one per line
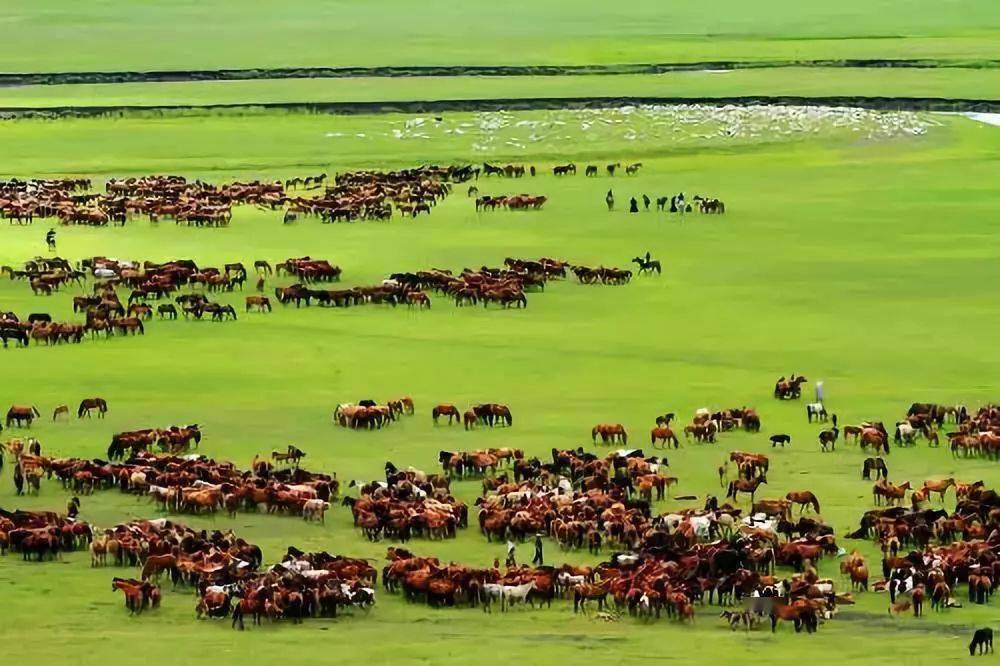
678 203
538 560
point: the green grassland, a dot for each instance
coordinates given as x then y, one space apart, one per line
58 35
868 263
980 84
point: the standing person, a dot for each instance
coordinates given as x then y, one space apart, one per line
18 480
532 170
645 201
511 554
633 205
50 240
610 200
819 393
73 507
538 559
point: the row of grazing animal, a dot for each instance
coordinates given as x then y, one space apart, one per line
427 579
510 202
488 413
478 463
569 169
372 195
173 439
407 504
21 200
155 197
601 275
367 415
40 535
196 484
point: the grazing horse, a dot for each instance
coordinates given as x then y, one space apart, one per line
804 498
982 639
876 464
451 411
61 410
22 416
87 404
665 435
610 433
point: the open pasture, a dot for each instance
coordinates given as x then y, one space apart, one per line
856 248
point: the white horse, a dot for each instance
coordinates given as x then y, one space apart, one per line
513 594
816 410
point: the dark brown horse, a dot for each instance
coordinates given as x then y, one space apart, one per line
87 404
22 416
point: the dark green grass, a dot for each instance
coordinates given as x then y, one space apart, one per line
806 82
870 265
58 35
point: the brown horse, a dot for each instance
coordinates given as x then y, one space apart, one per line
134 597
469 418
803 498
262 303
22 415
892 494
445 409
748 486
61 410
940 487
610 433
87 404
665 435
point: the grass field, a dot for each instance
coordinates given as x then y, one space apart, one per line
59 35
980 84
870 263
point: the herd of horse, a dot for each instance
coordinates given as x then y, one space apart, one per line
663 563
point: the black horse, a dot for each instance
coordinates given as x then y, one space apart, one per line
983 639
647 265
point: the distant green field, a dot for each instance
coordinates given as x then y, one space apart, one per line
869 263
793 81
58 35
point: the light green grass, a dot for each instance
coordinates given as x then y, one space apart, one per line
58 35
868 264
792 81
